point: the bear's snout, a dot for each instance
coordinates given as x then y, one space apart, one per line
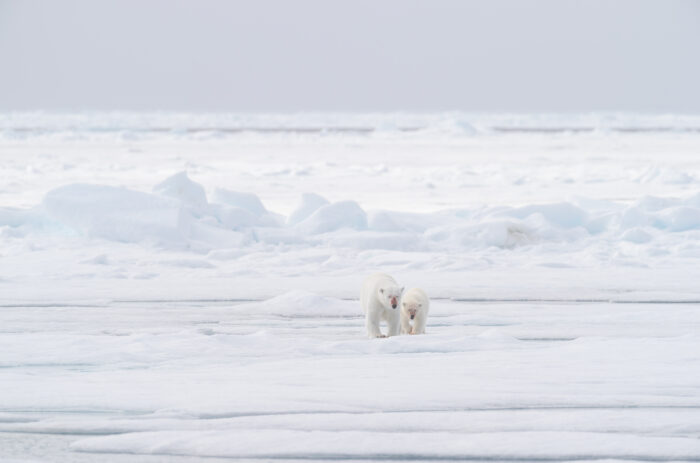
394 303
412 316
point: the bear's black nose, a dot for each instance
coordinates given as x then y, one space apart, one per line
393 306
412 317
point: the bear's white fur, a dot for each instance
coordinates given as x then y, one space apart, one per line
381 298
415 304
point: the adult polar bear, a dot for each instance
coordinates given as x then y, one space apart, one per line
380 298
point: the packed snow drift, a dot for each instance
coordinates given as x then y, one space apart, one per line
176 224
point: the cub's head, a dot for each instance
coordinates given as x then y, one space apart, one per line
411 308
390 296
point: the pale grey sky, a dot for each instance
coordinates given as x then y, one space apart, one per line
353 55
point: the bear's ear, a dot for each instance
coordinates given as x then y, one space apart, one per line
420 305
381 290
402 288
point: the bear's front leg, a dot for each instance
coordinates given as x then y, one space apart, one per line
373 330
394 322
405 325
419 325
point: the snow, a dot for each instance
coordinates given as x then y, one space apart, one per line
310 203
186 285
293 377
180 187
113 213
336 216
247 201
177 223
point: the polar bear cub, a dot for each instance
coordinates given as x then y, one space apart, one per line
380 298
414 307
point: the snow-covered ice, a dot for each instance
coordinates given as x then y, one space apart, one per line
270 379
186 285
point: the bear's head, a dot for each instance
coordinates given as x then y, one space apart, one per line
390 296
411 308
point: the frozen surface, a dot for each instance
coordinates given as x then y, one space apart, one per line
186 284
138 207
293 377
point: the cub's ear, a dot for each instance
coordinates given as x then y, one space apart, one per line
381 290
403 304
420 305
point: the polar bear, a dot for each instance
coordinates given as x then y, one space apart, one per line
380 298
414 306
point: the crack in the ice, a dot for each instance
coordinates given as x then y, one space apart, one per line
217 416
213 416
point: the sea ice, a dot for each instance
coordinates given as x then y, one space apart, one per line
194 292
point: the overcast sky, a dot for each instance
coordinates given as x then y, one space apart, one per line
265 55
